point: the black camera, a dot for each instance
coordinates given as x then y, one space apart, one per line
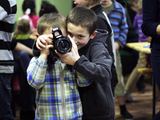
61 43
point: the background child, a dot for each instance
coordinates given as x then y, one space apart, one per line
142 61
7 21
55 82
22 58
29 11
117 16
47 7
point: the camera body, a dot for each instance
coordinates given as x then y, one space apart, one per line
61 43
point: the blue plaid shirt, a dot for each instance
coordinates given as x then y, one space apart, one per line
57 96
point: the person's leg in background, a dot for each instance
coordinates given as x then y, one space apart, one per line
5 98
155 63
135 75
140 85
27 93
15 88
120 89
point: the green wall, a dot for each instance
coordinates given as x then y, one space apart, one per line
63 6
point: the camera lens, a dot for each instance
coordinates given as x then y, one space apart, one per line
63 45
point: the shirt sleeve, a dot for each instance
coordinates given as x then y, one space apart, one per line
82 81
123 28
36 72
4 9
98 68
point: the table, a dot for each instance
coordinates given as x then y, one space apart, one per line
140 46
144 47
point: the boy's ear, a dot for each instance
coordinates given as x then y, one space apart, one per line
93 35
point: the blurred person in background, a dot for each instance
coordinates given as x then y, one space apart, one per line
117 16
132 36
47 7
22 58
142 61
8 10
151 27
29 11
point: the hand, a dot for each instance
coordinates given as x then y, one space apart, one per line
149 39
45 51
116 45
43 40
44 43
72 56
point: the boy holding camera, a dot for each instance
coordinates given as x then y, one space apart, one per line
89 57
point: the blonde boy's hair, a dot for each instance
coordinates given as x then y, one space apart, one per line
50 20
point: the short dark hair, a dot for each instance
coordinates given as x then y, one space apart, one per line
47 7
29 4
83 17
93 2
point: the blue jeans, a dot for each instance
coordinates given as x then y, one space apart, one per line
5 97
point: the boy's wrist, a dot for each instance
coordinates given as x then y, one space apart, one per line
76 59
73 60
43 56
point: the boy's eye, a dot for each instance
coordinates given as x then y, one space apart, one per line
80 36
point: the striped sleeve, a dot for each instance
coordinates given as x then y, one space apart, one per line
7 19
123 28
8 12
4 9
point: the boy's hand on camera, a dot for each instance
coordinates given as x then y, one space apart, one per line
44 43
72 56
43 40
46 50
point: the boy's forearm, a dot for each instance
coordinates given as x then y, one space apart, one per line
43 56
91 70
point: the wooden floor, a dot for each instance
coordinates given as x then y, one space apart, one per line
141 108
